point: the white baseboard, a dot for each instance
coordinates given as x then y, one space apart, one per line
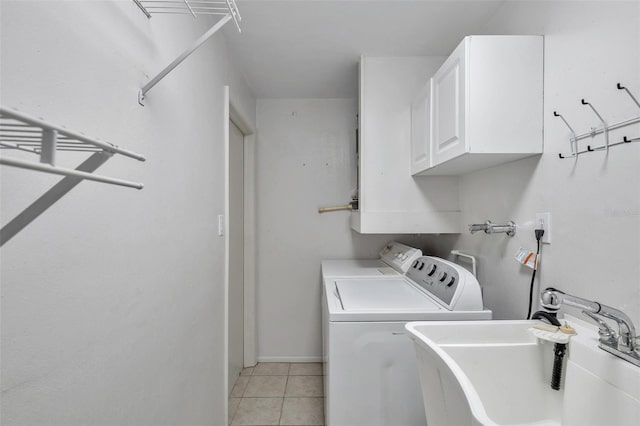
289 359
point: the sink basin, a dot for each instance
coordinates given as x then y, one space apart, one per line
498 373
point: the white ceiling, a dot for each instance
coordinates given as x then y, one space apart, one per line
310 49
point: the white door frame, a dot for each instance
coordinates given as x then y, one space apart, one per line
231 113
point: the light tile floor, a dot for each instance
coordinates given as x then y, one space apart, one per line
278 393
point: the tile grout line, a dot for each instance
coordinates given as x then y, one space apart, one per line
286 382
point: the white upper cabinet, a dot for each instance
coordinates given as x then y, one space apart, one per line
486 106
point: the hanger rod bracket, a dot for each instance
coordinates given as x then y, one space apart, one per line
162 74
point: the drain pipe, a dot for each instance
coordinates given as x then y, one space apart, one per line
560 336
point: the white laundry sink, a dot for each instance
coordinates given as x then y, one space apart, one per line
498 373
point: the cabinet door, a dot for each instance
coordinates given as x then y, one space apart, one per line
420 130
448 108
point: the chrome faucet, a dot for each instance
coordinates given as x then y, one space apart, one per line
622 345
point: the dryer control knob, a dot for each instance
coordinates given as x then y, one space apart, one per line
415 265
451 281
442 276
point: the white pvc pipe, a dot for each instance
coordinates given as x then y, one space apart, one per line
68 172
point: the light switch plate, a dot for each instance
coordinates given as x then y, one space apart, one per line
220 225
544 219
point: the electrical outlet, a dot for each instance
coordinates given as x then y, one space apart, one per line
543 220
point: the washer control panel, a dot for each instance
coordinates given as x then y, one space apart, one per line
452 285
399 256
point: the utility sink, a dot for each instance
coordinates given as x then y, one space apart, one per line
498 373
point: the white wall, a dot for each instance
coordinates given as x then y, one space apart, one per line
112 300
305 160
595 202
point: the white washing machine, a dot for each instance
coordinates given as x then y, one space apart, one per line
371 373
395 260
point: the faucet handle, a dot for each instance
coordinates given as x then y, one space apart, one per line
606 333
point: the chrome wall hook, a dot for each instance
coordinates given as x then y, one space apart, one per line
602 122
633 98
573 143
594 131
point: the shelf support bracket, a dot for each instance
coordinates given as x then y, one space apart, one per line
155 80
142 8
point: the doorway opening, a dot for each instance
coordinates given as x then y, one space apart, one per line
239 225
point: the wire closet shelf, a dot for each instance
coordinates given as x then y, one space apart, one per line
191 7
20 132
226 8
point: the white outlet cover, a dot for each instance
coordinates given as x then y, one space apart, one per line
545 219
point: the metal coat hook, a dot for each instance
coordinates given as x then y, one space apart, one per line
633 98
604 124
572 141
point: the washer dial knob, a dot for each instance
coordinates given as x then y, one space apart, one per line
431 269
442 276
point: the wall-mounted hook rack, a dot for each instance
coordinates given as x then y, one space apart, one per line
21 132
226 8
604 128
